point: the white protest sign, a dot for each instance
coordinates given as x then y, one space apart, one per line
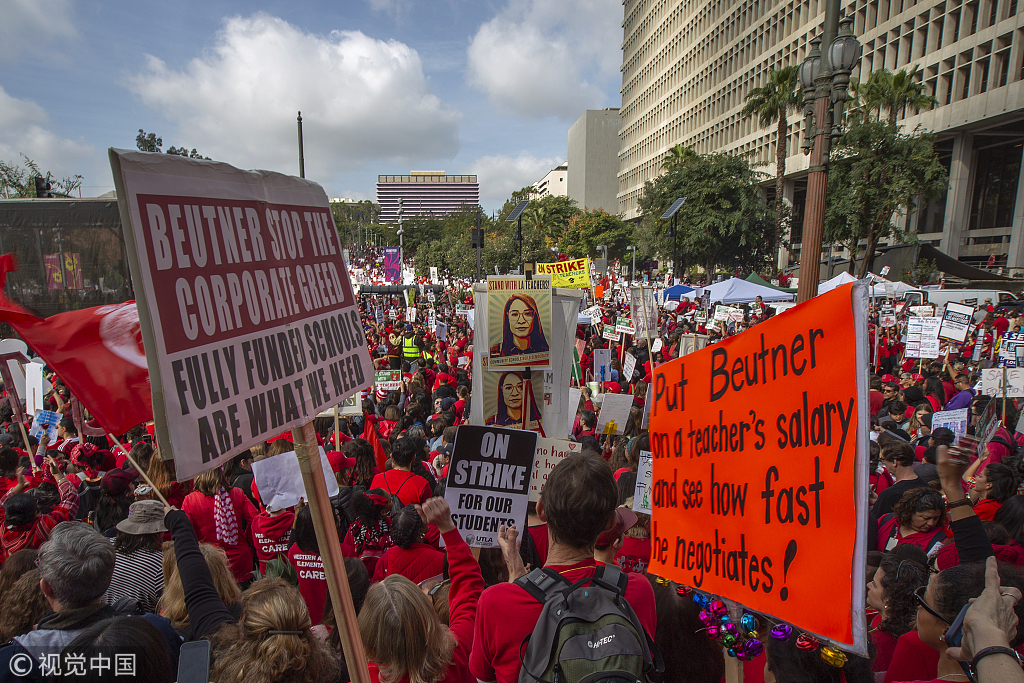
887 317
432 320
642 492
431 297
923 337
922 311
250 322
594 313
489 481
549 453
35 388
279 479
628 366
45 419
656 346
433 274
1008 345
410 314
992 382
957 320
614 413
954 420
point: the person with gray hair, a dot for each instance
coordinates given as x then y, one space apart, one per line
75 568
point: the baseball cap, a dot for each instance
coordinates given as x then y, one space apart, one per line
625 519
339 462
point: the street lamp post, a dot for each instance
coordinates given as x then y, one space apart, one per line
825 78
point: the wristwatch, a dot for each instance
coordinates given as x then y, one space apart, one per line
996 650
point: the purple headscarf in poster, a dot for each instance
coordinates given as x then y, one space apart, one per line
392 269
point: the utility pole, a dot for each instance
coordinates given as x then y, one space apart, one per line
302 161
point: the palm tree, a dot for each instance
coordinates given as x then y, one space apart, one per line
772 103
676 155
895 92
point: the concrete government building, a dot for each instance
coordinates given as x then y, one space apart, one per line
688 64
430 193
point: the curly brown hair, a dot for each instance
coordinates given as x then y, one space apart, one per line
24 605
900 579
917 500
248 651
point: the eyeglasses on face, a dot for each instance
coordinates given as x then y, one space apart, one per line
919 596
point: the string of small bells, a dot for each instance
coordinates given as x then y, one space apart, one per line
741 637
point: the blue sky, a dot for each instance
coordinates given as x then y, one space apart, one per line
385 86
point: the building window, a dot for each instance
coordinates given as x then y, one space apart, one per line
995 187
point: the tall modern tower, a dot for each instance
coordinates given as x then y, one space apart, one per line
594 160
430 193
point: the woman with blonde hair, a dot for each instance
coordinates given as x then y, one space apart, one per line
271 641
426 651
161 472
221 515
172 601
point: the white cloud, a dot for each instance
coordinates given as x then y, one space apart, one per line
537 58
29 27
23 130
361 99
499 176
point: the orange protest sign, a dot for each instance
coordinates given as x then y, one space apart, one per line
759 487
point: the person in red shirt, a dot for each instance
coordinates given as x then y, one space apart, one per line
992 487
8 469
410 556
220 515
399 480
271 535
578 503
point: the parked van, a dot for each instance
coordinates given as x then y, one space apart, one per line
971 297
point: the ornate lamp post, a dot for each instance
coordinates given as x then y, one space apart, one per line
825 79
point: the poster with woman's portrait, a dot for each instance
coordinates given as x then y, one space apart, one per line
505 399
519 322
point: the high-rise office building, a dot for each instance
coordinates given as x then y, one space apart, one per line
687 66
430 193
594 160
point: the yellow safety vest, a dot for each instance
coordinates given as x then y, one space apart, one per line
409 349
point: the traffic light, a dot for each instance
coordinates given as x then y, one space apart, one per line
42 187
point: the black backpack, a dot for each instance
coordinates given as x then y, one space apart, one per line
586 633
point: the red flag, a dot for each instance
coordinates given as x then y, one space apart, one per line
98 353
370 434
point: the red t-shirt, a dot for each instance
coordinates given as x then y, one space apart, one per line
634 555
199 509
912 660
410 488
312 581
507 614
271 535
539 535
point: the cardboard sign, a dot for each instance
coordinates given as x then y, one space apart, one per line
35 388
594 313
279 479
488 481
549 453
602 365
388 380
992 383
760 467
519 322
657 345
923 337
624 325
610 333
955 420
614 413
572 274
248 317
887 316
957 320
642 493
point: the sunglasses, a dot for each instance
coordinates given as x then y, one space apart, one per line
919 596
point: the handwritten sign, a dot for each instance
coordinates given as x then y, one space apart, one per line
760 467
549 453
923 337
992 383
642 492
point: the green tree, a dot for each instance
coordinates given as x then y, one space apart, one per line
20 182
771 104
894 92
550 216
877 172
355 220
724 222
588 229
149 142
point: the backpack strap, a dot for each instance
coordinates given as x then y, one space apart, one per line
612 578
542 583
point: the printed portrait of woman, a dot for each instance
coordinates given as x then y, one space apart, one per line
511 392
521 329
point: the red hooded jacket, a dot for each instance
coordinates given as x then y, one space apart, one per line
271 536
418 563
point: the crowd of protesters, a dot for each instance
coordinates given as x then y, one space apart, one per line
91 561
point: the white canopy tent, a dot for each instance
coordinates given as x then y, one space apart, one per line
737 291
898 288
841 279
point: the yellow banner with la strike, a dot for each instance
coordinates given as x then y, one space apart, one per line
573 274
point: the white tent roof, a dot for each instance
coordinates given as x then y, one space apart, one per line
841 279
897 288
737 291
